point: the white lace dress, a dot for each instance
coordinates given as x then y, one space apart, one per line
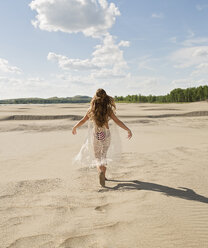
102 146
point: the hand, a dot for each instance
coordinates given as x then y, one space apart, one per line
129 134
74 131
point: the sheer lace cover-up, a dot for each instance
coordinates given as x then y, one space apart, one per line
102 146
101 143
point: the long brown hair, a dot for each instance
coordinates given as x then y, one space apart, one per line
101 107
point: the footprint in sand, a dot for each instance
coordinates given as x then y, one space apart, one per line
102 208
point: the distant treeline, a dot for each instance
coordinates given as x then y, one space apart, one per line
177 95
75 99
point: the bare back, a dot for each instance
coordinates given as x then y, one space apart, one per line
105 124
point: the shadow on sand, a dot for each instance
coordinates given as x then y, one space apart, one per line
184 193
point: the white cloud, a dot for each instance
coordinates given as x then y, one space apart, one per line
147 85
91 17
7 68
145 63
201 69
27 86
195 41
124 43
17 87
108 74
63 85
190 33
201 52
173 39
195 61
75 64
109 55
158 15
188 82
107 60
201 7
74 79
190 40
191 56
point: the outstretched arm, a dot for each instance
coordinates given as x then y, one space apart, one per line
121 124
80 123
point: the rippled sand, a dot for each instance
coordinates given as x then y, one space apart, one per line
156 197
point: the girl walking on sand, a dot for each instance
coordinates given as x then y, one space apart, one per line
102 109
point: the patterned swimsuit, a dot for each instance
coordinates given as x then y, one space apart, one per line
101 143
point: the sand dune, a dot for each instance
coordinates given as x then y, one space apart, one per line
194 113
155 197
78 117
41 117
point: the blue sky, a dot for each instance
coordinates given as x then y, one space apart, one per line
72 47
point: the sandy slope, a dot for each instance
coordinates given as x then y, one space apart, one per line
157 196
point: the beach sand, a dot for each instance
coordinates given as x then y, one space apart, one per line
156 197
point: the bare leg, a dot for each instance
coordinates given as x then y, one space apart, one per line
100 151
101 175
102 168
